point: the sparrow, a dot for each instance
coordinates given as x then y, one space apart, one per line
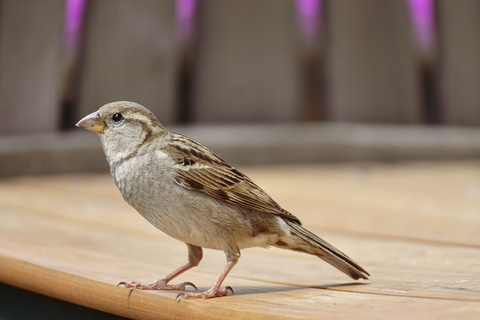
194 196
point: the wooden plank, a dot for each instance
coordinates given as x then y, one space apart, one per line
129 55
75 238
30 64
416 196
459 45
371 66
247 69
274 302
412 194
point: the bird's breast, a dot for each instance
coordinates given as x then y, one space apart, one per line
189 216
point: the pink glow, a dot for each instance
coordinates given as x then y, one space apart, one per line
422 13
185 16
74 13
309 14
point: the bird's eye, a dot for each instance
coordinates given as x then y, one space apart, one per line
117 117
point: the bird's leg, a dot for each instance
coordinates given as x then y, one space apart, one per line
215 291
194 256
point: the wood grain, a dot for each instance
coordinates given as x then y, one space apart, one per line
414 226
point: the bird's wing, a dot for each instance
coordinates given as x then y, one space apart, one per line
201 170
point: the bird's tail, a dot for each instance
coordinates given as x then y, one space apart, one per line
322 249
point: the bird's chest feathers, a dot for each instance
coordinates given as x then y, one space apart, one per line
143 179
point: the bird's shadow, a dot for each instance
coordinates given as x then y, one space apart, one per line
248 290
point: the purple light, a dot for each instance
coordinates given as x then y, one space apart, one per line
309 14
185 12
74 13
422 13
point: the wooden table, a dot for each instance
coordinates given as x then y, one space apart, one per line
414 226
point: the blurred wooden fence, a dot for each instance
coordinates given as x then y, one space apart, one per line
237 61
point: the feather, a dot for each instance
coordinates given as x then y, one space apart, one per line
201 170
329 253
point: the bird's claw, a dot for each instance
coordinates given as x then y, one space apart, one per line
189 284
229 288
159 285
180 296
210 293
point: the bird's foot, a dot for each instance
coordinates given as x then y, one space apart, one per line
160 284
213 292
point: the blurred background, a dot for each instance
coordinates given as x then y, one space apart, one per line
268 81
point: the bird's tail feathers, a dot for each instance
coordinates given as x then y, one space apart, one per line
327 252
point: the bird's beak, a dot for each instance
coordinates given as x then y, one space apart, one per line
92 122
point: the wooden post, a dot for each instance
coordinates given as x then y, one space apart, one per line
30 51
247 65
371 67
459 25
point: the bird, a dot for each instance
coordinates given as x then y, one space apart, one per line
191 194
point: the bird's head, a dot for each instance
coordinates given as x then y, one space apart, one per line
123 128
